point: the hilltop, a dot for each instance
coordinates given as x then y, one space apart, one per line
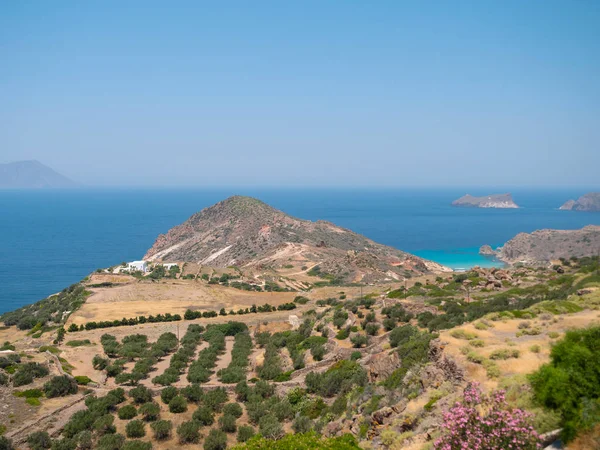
488 201
31 175
245 232
587 202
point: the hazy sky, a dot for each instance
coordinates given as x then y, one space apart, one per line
304 92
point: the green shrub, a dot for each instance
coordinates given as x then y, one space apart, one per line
39 440
245 432
60 386
6 443
84 440
127 412
477 343
83 380
162 429
302 424
570 383
535 349
136 445
135 429
78 343
233 409
63 444
29 393
342 334
359 340
270 427
372 329
104 425
150 411
306 441
462 334
99 363
216 440
168 393
204 416
193 393
339 378
227 423
504 353
27 372
111 442
141 394
189 432
412 346
178 405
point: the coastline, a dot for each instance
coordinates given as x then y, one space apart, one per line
461 259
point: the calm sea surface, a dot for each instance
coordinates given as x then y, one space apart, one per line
51 239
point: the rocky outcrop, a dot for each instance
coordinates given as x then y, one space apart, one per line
246 232
543 246
488 201
587 202
381 365
487 250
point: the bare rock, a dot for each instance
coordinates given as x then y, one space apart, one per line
381 365
333 429
487 250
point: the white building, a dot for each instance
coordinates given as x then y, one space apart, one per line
168 266
141 266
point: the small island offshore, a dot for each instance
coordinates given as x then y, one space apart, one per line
504 201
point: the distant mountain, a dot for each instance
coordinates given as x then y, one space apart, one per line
587 202
489 201
32 175
245 232
543 246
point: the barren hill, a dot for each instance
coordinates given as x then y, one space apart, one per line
547 245
246 232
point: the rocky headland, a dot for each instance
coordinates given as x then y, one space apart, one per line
543 246
488 201
587 202
245 232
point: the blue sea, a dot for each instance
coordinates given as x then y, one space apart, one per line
51 239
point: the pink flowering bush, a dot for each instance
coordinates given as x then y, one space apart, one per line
482 422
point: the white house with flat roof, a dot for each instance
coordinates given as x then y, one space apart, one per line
141 266
169 265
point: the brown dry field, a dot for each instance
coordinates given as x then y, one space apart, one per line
134 298
173 296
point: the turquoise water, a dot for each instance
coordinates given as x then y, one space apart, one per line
460 258
51 239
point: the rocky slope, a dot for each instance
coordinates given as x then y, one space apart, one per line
587 202
246 232
546 245
489 201
31 175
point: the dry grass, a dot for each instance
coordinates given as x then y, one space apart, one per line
173 296
504 331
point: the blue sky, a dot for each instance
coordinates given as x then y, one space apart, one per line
304 93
